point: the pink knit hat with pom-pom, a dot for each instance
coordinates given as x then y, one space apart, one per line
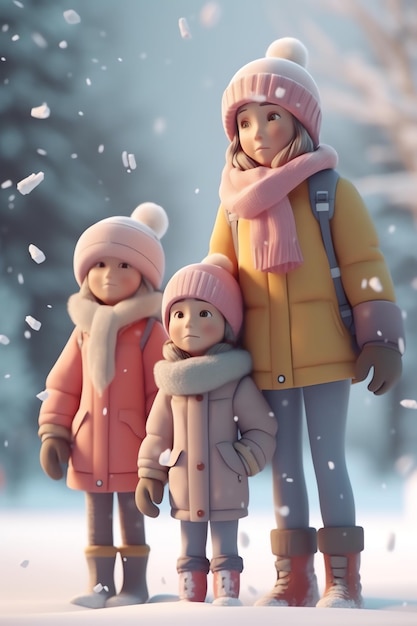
134 239
279 78
211 281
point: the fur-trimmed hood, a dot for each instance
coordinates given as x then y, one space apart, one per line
102 323
201 374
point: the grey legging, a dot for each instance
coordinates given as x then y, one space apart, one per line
100 519
326 407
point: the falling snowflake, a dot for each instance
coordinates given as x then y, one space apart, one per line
7 183
159 125
391 542
244 539
331 465
32 322
284 510
409 404
37 255
184 28
72 17
375 284
128 160
26 185
24 563
280 92
210 14
4 340
164 457
39 40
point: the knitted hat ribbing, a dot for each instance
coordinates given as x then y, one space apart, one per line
134 239
279 78
211 281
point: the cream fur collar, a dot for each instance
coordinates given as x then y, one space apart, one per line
102 323
200 374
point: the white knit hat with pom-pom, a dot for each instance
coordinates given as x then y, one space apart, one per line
279 78
134 239
211 281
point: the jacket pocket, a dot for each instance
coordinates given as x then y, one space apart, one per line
231 457
319 336
77 422
132 420
82 442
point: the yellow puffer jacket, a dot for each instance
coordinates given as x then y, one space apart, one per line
293 329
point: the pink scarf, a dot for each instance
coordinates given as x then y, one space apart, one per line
261 195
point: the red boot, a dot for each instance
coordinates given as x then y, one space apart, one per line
226 587
296 583
192 586
341 548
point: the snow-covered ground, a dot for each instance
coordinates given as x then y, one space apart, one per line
42 567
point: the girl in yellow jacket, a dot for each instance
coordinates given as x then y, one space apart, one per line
303 355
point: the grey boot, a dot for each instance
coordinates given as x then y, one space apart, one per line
134 588
100 562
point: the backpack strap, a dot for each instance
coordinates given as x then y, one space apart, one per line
146 333
322 191
232 219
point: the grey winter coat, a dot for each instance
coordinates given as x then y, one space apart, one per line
208 430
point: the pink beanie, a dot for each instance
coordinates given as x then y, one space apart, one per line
135 239
211 281
279 78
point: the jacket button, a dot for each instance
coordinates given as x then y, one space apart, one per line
281 378
199 397
200 466
200 513
99 483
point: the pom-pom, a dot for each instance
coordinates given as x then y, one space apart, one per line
289 48
153 216
221 260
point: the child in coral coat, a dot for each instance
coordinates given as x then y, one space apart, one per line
213 421
101 389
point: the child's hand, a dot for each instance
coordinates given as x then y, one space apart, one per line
55 452
148 491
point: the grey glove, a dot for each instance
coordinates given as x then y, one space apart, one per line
386 363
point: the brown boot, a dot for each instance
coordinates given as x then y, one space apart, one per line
341 547
296 581
100 562
134 588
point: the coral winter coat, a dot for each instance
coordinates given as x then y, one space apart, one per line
215 428
293 329
105 430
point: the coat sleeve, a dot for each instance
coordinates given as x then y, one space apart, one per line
257 426
221 239
63 386
159 439
152 353
364 272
